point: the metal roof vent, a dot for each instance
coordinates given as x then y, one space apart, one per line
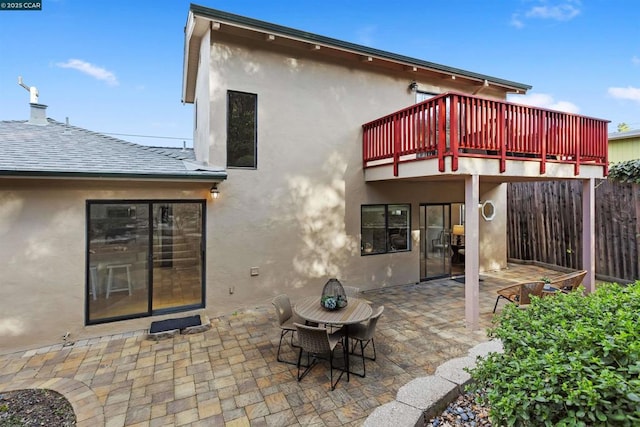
38 111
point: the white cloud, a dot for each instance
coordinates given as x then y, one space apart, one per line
516 21
543 100
635 60
632 93
91 70
560 12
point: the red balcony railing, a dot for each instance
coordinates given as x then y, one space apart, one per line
456 125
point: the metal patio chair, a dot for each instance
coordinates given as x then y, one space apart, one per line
317 341
364 333
286 320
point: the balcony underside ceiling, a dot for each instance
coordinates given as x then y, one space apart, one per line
487 169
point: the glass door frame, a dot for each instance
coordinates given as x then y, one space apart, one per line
430 233
90 275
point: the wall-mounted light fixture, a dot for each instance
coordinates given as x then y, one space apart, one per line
487 209
413 86
215 193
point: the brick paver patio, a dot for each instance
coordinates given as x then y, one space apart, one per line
229 376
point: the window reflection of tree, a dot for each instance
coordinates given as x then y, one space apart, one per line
241 129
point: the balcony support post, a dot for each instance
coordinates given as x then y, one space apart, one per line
578 138
472 250
588 233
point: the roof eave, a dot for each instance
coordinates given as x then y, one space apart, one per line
635 133
208 177
194 30
227 18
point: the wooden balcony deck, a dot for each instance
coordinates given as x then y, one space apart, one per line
455 126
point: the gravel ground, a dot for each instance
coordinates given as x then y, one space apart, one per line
35 407
464 411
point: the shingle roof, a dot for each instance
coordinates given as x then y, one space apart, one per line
60 150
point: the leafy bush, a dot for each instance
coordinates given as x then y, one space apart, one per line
628 171
569 360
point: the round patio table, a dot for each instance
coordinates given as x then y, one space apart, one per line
356 311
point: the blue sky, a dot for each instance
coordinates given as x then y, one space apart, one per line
116 66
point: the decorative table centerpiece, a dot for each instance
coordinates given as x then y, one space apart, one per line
333 295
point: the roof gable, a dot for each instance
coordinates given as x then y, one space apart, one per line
202 19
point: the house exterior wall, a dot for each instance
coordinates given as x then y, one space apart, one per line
296 218
43 269
621 150
202 110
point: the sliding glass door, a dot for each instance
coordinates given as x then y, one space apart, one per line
177 260
143 258
435 241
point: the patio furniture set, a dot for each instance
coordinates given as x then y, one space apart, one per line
521 293
319 331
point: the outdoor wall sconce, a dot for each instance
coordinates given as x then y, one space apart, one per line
215 193
487 209
413 86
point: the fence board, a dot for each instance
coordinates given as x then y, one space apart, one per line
545 225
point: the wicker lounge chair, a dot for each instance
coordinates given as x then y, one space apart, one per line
318 341
520 293
568 282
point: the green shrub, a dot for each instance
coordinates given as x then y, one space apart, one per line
569 360
627 171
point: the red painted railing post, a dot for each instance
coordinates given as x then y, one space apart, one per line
396 144
454 104
602 135
442 133
442 136
502 137
543 143
365 145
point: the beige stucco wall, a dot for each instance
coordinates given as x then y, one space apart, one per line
42 256
202 110
297 217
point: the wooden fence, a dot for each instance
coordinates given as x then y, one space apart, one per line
545 225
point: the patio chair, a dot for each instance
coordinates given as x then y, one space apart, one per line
568 282
318 341
363 333
520 293
286 320
442 243
351 291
